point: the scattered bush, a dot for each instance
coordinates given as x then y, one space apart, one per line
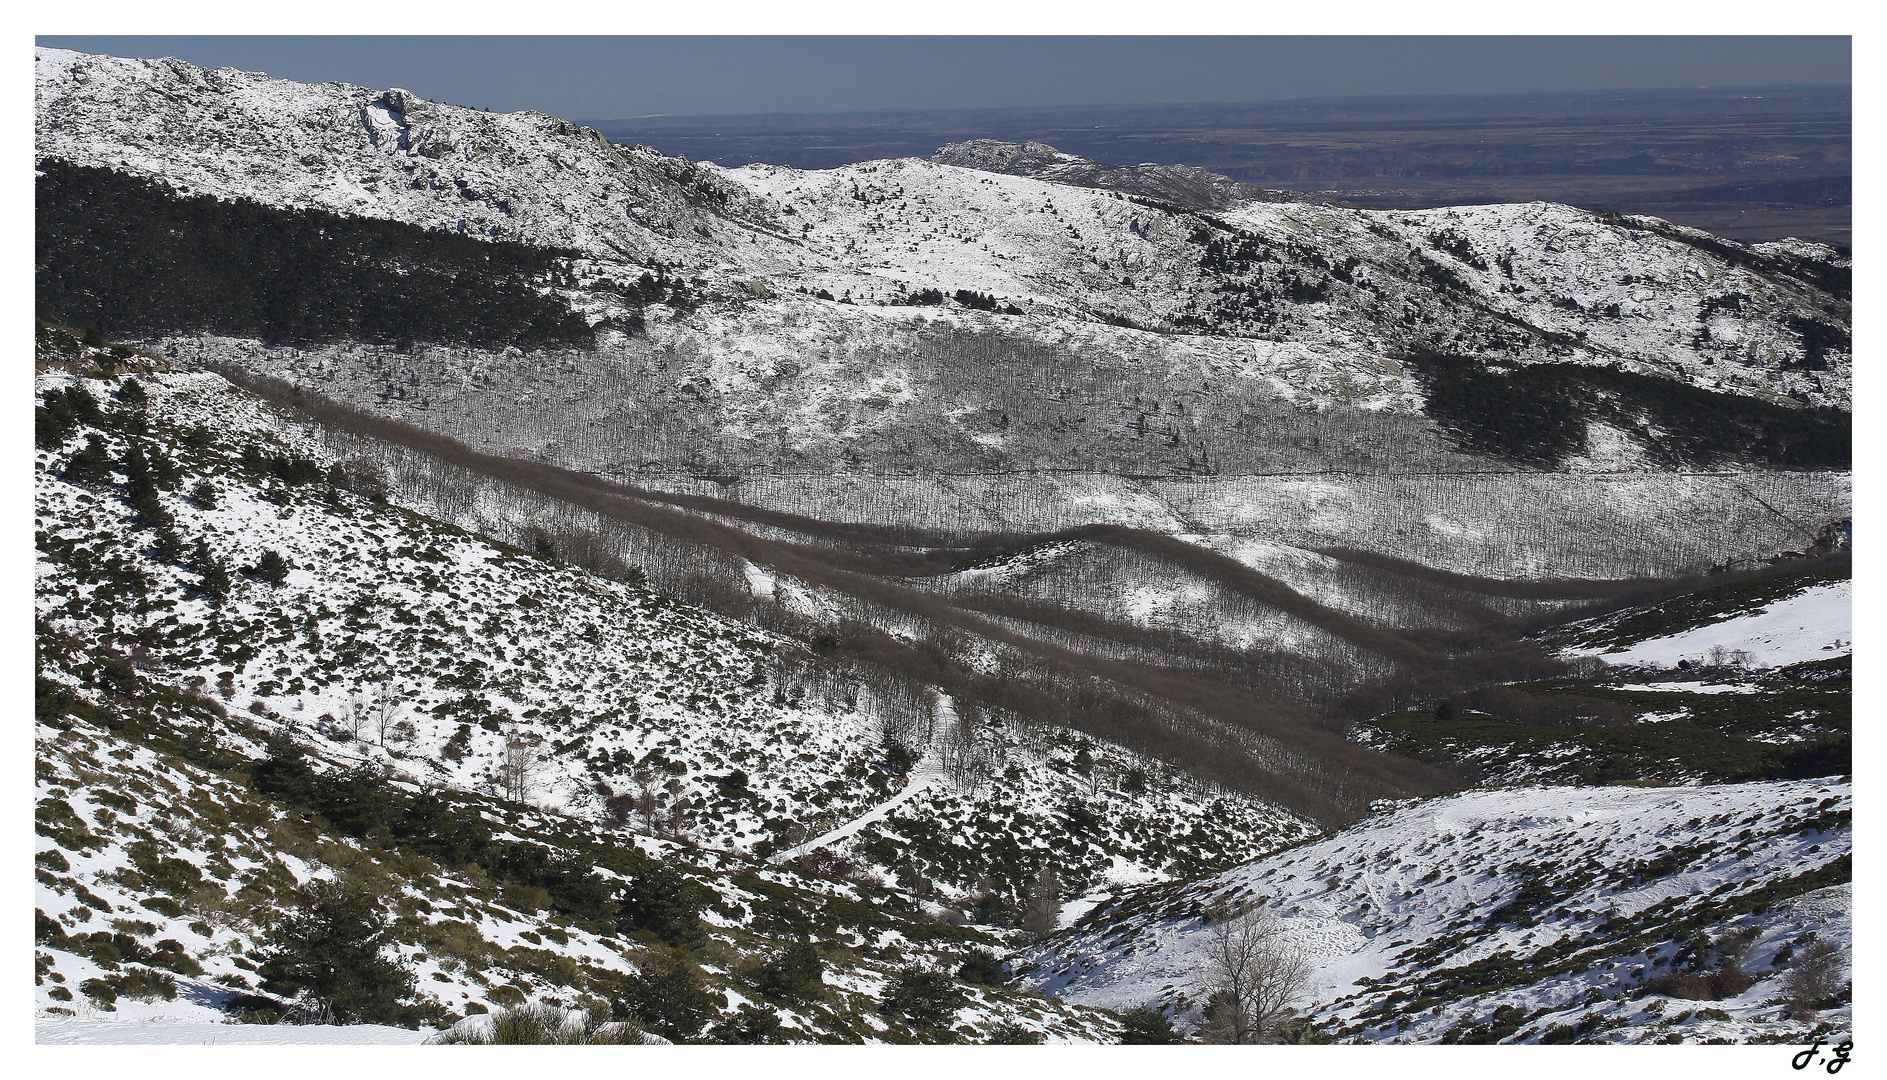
795 972
750 1026
982 969
1725 982
1151 1027
143 984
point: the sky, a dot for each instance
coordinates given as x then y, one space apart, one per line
619 77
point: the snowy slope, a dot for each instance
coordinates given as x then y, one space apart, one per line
1299 283
1558 902
152 867
1813 624
350 150
463 648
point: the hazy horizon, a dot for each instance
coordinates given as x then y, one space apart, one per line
647 77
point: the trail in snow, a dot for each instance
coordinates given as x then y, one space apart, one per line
927 772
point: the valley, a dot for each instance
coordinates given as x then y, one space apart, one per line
921 600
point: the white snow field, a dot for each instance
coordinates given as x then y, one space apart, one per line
1558 902
1814 624
162 1031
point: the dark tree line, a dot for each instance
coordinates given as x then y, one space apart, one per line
1537 415
131 256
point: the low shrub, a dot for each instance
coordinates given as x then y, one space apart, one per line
540 1024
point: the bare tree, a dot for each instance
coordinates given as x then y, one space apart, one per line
386 707
355 715
519 765
1813 977
1041 905
649 803
965 756
1253 974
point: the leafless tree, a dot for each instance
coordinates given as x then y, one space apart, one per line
1041 905
1253 974
967 758
355 715
519 765
1814 976
649 803
386 707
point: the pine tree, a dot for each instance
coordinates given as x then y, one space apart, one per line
928 1000
328 950
664 902
272 568
91 464
215 583
668 996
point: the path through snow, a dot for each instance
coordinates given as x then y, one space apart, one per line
927 772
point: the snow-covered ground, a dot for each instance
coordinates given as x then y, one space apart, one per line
928 770
1614 878
1814 624
166 1031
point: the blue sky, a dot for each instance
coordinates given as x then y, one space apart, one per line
604 77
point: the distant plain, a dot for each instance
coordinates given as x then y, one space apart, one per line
1749 163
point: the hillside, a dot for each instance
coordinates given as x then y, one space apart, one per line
1669 910
1529 915
1746 679
915 601
171 850
396 641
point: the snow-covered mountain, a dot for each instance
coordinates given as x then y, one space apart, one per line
1524 283
886 558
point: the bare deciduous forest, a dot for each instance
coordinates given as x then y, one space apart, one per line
1227 671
